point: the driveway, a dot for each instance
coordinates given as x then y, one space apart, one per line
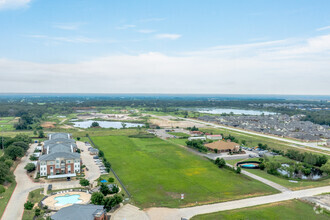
93 170
15 206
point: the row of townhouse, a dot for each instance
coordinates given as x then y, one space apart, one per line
59 157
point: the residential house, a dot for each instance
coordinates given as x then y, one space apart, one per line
223 146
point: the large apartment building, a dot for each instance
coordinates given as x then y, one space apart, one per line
59 157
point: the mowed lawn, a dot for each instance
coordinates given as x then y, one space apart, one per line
293 209
156 172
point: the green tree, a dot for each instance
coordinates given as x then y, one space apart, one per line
28 205
30 167
123 124
326 168
222 163
111 202
95 124
101 153
84 182
272 167
104 189
115 189
14 151
97 198
41 134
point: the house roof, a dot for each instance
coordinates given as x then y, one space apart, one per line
59 135
59 148
59 141
77 211
53 156
222 145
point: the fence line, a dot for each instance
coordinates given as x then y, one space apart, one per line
121 183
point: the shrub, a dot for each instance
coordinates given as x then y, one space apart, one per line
30 167
97 198
111 180
238 170
37 212
78 138
104 189
101 154
84 182
33 158
220 162
262 166
28 205
2 189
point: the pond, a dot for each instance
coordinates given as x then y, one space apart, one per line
105 124
315 173
235 111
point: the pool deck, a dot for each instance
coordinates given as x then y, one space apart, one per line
50 201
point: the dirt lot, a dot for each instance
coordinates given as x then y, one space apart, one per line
172 122
48 124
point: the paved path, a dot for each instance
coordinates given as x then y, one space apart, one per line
177 214
15 206
306 144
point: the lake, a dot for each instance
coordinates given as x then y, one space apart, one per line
235 111
105 124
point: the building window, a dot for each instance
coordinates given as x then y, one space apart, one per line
57 161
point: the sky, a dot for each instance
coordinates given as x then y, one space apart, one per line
168 46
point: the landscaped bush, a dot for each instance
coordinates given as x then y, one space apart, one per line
37 212
97 198
2 189
84 182
28 205
111 180
220 162
30 167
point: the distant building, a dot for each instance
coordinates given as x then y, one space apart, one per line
196 133
214 137
223 146
197 138
81 212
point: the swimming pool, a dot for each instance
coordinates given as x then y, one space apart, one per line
67 199
248 165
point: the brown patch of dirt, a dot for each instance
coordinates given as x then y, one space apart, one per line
48 124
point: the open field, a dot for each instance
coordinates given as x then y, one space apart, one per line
156 172
179 134
302 184
292 209
7 123
4 197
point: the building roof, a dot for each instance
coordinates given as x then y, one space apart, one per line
77 211
59 135
222 145
59 141
60 148
53 156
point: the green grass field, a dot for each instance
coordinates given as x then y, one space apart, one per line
179 134
302 184
4 197
293 209
156 172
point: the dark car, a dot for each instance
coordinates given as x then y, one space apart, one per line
50 187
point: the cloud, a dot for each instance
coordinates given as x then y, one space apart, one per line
323 28
126 26
168 36
67 26
13 4
146 31
77 39
289 66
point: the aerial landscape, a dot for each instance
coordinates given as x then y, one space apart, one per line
164 110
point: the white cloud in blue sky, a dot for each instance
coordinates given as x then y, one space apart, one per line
153 47
13 4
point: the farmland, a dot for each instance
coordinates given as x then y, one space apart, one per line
156 173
